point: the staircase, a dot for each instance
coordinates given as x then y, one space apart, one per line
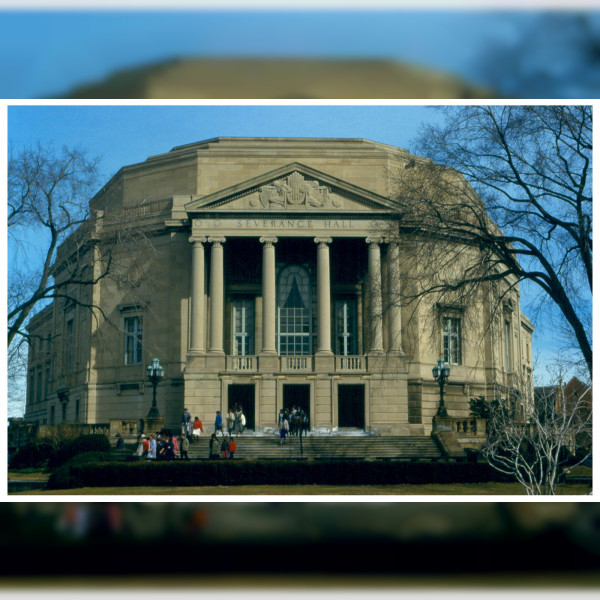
329 447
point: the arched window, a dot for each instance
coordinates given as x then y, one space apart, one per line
294 323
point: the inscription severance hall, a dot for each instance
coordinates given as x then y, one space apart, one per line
271 275
283 224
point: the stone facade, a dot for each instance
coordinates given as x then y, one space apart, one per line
261 272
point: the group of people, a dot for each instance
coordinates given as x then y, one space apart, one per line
162 446
225 449
235 420
191 429
292 421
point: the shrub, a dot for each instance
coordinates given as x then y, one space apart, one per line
66 476
34 454
95 442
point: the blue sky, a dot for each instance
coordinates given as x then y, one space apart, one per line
123 135
45 53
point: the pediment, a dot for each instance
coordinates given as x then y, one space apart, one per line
292 188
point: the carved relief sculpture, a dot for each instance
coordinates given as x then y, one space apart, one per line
294 191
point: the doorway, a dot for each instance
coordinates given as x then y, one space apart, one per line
351 405
242 395
297 394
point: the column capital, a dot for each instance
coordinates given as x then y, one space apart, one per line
216 241
269 241
196 239
392 241
323 240
374 240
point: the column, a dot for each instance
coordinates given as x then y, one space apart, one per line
216 295
323 297
375 302
395 314
197 316
268 295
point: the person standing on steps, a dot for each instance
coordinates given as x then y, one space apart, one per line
219 423
285 427
230 421
197 430
184 419
184 447
232 447
213 447
242 421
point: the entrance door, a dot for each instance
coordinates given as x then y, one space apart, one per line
242 395
351 405
297 395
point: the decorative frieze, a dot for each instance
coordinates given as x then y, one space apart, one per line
294 191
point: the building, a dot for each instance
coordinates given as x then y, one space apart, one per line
263 272
280 78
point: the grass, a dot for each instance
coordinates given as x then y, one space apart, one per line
474 489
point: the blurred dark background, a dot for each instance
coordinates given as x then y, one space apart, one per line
502 542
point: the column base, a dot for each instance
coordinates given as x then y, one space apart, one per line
268 363
324 362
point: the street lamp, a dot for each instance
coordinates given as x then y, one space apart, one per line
155 373
441 373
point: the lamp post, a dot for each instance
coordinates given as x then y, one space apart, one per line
155 373
441 373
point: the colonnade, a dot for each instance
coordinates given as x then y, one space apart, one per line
269 345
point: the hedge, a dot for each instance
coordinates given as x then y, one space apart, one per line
273 472
33 454
64 477
95 442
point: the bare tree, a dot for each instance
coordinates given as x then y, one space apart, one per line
535 450
48 194
59 249
507 198
556 56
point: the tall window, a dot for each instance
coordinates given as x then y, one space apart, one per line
345 327
294 312
507 348
31 390
38 388
243 326
452 340
47 383
69 341
133 340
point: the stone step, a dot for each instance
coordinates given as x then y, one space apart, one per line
329 447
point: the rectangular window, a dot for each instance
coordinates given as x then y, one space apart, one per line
133 340
294 332
243 326
452 340
38 387
31 394
69 341
507 346
345 327
47 383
